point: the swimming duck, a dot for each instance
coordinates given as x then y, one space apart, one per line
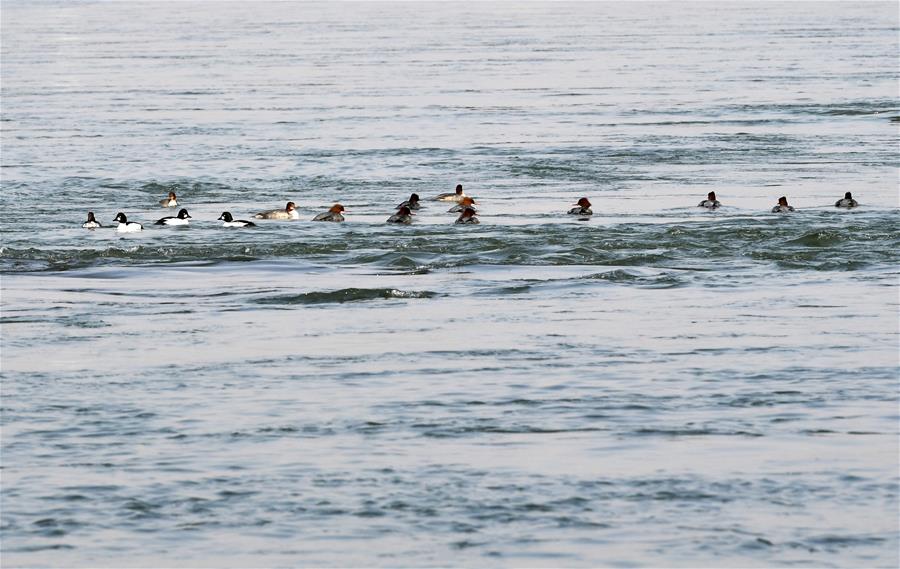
847 202
457 196
710 202
411 203
126 226
232 222
289 212
180 219
333 214
170 201
782 206
468 216
403 215
91 223
466 202
584 208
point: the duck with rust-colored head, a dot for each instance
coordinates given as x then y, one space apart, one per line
584 207
170 201
333 214
463 204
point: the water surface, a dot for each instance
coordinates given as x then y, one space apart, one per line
656 386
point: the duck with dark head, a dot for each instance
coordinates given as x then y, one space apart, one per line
782 206
848 201
403 216
710 202
456 196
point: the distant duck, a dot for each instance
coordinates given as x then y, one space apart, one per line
468 216
848 201
710 202
289 212
333 214
91 223
466 202
403 215
411 203
584 208
180 219
232 222
782 206
457 196
170 201
126 226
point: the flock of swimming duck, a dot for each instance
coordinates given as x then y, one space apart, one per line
465 206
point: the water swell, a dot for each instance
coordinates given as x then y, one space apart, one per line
343 295
822 244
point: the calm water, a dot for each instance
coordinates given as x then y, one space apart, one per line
657 386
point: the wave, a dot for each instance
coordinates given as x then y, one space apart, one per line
820 243
343 295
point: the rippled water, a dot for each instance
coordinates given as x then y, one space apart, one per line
656 386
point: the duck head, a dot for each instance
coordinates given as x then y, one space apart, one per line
583 202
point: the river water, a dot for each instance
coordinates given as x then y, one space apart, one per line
657 386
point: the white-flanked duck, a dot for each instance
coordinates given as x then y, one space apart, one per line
170 201
782 206
229 221
847 201
403 215
289 212
333 214
467 216
710 202
91 222
456 196
183 218
126 226
584 207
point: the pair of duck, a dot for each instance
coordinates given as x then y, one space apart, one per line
782 206
465 207
126 226
183 217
